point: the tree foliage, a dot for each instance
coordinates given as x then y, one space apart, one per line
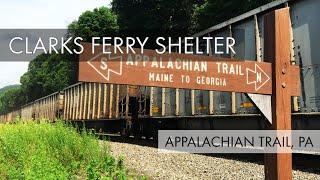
154 18
47 74
213 12
10 99
97 23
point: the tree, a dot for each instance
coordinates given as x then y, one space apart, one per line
154 18
47 74
11 99
216 11
97 23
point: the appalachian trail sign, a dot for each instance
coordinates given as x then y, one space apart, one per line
176 71
276 76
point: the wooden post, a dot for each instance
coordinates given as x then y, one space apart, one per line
277 50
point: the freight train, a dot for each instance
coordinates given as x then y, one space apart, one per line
142 110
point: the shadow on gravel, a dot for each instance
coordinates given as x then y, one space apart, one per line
303 162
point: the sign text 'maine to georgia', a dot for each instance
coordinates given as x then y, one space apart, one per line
174 70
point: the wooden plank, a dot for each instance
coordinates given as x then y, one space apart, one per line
105 89
89 101
70 104
99 101
73 95
163 102
77 102
211 102
51 108
110 101
117 101
94 103
277 50
44 108
54 109
85 107
151 101
127 102
193 106
81 100
50 99
177 110
65 108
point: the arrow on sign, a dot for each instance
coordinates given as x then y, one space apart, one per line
107 66
259 78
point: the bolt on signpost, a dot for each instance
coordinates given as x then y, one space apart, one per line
277 77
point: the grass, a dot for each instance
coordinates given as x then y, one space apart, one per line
30 150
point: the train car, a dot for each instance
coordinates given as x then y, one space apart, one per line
49 107
101 106
10 117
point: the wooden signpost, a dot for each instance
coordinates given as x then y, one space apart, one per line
276 76
277 50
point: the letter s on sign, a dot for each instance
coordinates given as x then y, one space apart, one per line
104 65
10 45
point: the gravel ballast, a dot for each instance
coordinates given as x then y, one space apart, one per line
149 162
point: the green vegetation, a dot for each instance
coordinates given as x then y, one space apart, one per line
11 97
97 23
212 12
155 18
4 89
31 150
50 73
47 74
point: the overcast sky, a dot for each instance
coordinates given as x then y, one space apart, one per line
44 14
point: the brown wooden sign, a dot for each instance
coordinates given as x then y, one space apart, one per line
175 71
